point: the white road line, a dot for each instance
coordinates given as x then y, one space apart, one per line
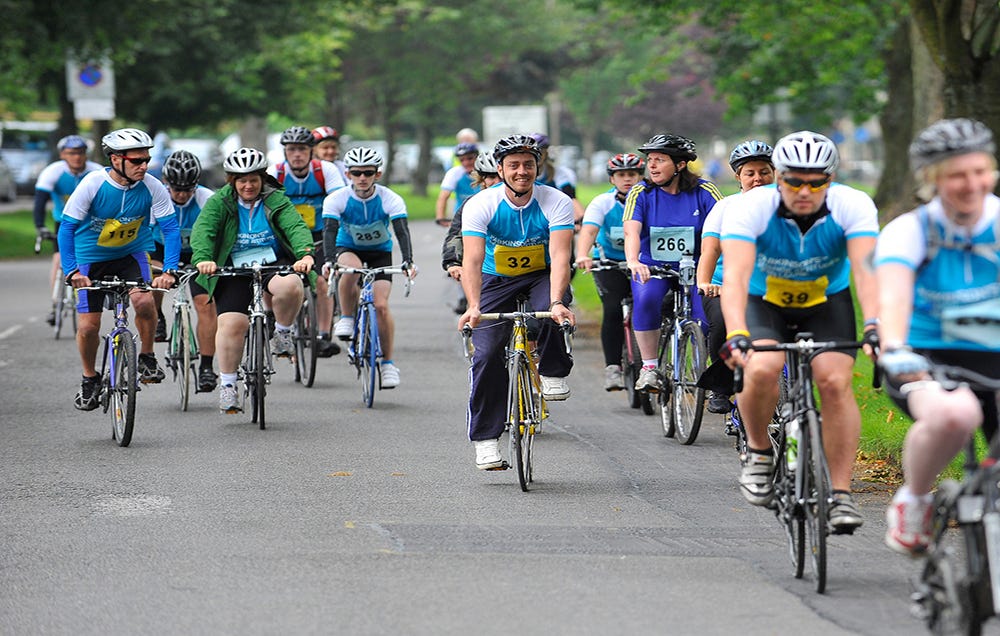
9 331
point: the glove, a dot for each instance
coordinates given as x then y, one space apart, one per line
870 338
903 361
732 345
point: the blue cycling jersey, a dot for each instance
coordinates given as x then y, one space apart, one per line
457 180
605 212
364 223
186 215
57 179
671 223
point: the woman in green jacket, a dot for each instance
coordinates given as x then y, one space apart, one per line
249 220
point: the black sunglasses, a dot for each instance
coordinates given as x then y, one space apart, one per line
362 173
136 161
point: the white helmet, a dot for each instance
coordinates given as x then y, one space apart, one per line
245 161
805 150
125 139
362 156
486 164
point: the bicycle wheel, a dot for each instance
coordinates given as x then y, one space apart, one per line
181 352
817 491
69 306
124 381
530 403
260 372
664 364
787 510
516 377
688 397
366 352
59 297
306 341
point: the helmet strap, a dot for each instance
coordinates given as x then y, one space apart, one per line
517 195
129 182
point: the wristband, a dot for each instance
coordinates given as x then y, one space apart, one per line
871 322
737 332
556 302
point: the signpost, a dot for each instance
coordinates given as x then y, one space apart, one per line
501 121
90 86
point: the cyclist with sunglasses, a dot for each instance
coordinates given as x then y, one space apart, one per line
106 232
356 234
788 255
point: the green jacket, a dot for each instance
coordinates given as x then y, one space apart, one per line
214 232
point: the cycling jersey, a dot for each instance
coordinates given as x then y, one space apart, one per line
307 193
364 223
104 220
517 238
796 270
57 179
186 215
956 300
713 229
605 212
457 180
671 223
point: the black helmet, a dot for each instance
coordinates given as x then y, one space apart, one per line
516 143
676 146
948 138
751 150
297 135
182 169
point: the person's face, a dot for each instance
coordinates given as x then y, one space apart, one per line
623 180
661 167
806 192
298 155
327 150
248 186
363 177
753 174
75 158
490 180
180 196
133 164
519 171
963 183
468 162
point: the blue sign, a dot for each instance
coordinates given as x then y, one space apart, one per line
90 75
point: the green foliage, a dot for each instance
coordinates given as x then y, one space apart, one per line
17 235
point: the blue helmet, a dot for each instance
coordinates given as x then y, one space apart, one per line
71 142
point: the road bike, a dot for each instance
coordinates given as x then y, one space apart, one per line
365 350
305 335
526 406
120 362
182 343
63 296
803 492
958 587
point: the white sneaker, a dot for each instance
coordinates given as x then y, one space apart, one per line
282 343
488 454
554 389
757 479
390 375
613 378
229 399
909 525
344 329
649 380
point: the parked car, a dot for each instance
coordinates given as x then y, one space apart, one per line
8 187
26 146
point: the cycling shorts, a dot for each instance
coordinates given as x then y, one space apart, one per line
234 294
370 259
831 320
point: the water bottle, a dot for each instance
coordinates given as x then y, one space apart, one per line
687 269
792 443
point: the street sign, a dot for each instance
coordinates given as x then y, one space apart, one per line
501 121
90 79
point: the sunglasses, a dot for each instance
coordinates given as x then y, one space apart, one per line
191 189
362 173
814 185
136 161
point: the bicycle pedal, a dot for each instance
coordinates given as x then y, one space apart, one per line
848 530
503 466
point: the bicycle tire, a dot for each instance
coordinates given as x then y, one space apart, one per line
817 494
306 341
123 385
787 510
60 304
688 398
945 601
260 372
664 364
631 363
531 417
366 354
515 418
182 352
70 307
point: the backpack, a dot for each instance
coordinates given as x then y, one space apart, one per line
317 170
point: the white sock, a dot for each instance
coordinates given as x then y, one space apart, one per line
649 364
281 327
228 379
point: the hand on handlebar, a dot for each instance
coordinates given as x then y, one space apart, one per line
709 290
585 263
207 267
903 365
736 351
562 313
640 271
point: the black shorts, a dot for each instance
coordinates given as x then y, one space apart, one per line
831 320
134 267
234 294
370 258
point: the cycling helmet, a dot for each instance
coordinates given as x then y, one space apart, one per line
325 132
625 161
485 164
541 139
466 149
948 138
125 139
747 151
245 161
182 169
297 135
676 146
362 156
516 143
71 142
805 150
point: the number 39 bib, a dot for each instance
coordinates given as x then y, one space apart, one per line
515 261
799 294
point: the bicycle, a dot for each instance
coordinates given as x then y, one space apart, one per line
365 350
63 296
182 343
955 593
803 492
256 367
526 406
120 362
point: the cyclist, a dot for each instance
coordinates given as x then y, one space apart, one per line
105 232
327 146
751 163
307 181
516 239
357 235
57 181
483 176
937 269
249 220
457 181
559 177
181 172
602 221
788 256
663 219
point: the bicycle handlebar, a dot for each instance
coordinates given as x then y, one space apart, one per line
117 284
44 234
391 270
952 377
254 270
805 346
566 328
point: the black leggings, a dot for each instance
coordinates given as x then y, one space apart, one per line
613 287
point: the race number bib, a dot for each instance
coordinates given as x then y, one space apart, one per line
515 261
308 214
260 255
372 234
796 294
978 323
115 233
617 236
670 243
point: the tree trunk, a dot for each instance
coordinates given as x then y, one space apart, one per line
425 138
253 133
894 194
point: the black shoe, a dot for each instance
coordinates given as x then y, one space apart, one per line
161 330
719 403
149 370
89 395
207 380
51 318
326 348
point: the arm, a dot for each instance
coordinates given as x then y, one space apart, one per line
402 230
451 249
441 205
331 226
859 251
633 243
473 254
205 233
584 243
560 248
711 250
895 303
38 211
738 257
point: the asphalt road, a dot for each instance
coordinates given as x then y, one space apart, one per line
343 519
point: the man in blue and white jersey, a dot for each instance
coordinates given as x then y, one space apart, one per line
516 240
57 181
457 181
789 253
105 232
357 234
307 181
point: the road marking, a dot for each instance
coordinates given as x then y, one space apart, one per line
9 331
